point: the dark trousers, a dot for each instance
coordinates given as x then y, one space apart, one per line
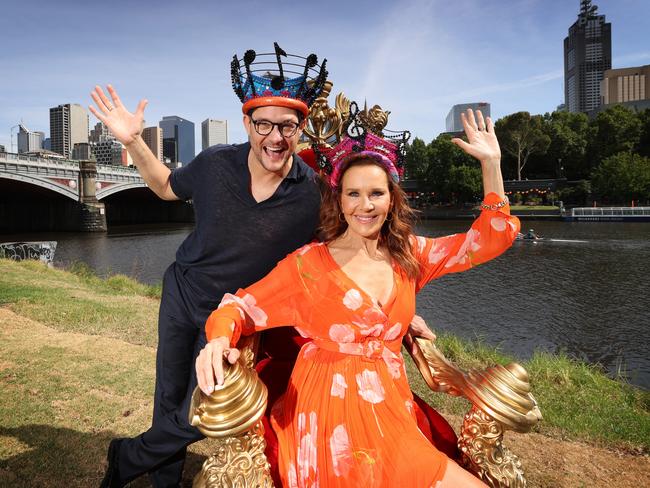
160 451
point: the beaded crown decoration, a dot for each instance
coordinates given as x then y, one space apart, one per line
389 148
263 79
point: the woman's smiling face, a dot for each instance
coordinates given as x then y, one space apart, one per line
365 199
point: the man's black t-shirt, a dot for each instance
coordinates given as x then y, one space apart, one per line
236 240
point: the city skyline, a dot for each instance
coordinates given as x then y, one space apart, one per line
407 55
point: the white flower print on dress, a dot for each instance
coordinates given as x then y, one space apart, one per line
370 387
393 332
470 244
498 223
304 249
341 451
309 350
422 243
341 333
439 249
409 405
352 299
248 305
338 386
306 455
293 476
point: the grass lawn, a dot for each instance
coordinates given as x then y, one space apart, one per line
77 357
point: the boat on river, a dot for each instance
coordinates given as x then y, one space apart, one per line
609 214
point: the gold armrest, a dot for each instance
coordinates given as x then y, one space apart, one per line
232 414
501 399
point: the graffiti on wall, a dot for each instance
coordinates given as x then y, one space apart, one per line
18 251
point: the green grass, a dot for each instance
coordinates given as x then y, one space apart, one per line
578 401
83 373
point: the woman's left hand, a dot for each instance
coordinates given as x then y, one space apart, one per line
481 142
419 328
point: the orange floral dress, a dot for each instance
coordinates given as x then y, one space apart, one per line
347 417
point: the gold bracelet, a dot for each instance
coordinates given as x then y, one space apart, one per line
495 206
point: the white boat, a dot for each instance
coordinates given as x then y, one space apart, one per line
609 214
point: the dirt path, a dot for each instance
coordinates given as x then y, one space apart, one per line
29 406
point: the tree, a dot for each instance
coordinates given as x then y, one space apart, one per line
521 135
569 134
445 155
615 130
465 183
623 177
417 159
643 147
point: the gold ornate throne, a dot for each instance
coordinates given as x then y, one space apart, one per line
500 395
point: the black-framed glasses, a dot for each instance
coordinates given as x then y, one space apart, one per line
265 127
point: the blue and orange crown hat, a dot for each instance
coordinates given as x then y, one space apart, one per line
260 80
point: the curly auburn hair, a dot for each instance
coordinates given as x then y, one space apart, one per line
397 229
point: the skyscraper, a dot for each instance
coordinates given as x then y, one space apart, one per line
180 131
587 54
214 132
153 138
29 141
68 126
453 123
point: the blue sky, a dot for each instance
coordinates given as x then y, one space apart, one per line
415 58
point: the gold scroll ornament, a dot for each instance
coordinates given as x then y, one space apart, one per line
501 399
232 415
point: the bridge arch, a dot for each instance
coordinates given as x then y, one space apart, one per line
111 190
71 193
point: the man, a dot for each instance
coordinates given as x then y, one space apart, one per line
254 203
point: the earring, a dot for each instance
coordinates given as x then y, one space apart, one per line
341 217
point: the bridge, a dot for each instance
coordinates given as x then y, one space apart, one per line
76 195
65 176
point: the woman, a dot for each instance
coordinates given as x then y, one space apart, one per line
347 417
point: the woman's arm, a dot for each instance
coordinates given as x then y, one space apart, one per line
276 300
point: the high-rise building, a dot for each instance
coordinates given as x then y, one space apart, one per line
108 152
214 132
100 133
587 55
453 123
153 137
68 126
627 86
181 131
29 141
47 144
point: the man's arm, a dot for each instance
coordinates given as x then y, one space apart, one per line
127 128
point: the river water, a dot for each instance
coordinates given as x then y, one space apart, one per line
584 290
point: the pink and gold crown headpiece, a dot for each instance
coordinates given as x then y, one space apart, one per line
389 150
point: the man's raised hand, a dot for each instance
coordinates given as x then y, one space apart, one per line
124 125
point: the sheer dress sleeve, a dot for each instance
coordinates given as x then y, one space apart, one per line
490 235
276 300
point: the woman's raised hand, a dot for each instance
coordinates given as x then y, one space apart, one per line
124 125
209 363
481 142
